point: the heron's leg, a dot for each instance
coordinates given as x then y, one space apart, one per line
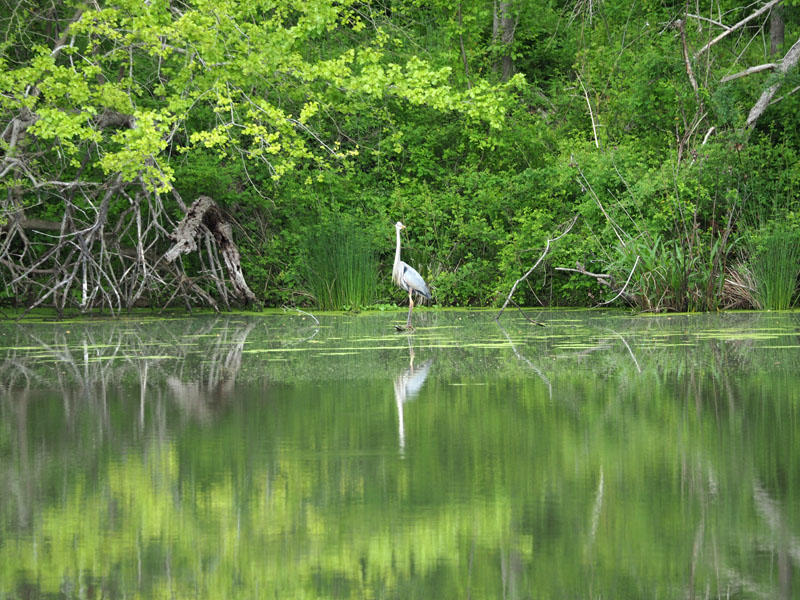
410 308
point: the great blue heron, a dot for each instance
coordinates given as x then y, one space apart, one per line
407 277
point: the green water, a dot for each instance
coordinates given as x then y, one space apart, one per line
602 456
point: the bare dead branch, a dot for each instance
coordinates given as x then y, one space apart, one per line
750 71
591 114
602 278
738 25
789 62
622 291
681 24
586 186
707 20
536 264
786 95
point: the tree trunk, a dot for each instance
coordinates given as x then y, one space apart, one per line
503 27
776 29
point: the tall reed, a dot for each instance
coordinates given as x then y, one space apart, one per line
342 268
774 264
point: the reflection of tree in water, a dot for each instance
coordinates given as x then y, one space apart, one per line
721 382
89 366
213 387
99 371
648 422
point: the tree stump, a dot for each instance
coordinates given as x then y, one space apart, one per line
204 212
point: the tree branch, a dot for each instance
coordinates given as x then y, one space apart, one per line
681 24
591 114
536 264
779 98
738 25
750 71
707 20
789 61
602 278
622 291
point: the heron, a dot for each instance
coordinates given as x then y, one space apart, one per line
407 278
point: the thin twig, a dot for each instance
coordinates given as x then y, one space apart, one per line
779 98
622 291
594 195
712 21
527 318
536 264
708 135
591 114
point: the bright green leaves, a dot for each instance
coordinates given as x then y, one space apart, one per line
211 138
136 150
264 80
67 128
308 111
113 97
317 16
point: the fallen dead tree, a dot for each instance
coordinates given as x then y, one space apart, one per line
106 252
204 216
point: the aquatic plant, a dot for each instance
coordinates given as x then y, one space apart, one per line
342 267
774 263
669 275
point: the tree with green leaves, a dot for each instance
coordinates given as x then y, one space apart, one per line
101 101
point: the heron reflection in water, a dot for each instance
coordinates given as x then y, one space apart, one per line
406 387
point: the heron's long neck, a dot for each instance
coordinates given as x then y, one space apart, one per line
397 249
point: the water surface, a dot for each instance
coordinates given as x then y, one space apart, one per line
602 456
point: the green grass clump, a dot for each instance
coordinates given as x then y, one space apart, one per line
342 271
774 264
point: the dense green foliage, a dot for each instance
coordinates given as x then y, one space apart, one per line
298 118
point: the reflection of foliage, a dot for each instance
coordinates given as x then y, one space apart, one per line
649 471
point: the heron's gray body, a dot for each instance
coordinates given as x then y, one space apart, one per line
407 277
